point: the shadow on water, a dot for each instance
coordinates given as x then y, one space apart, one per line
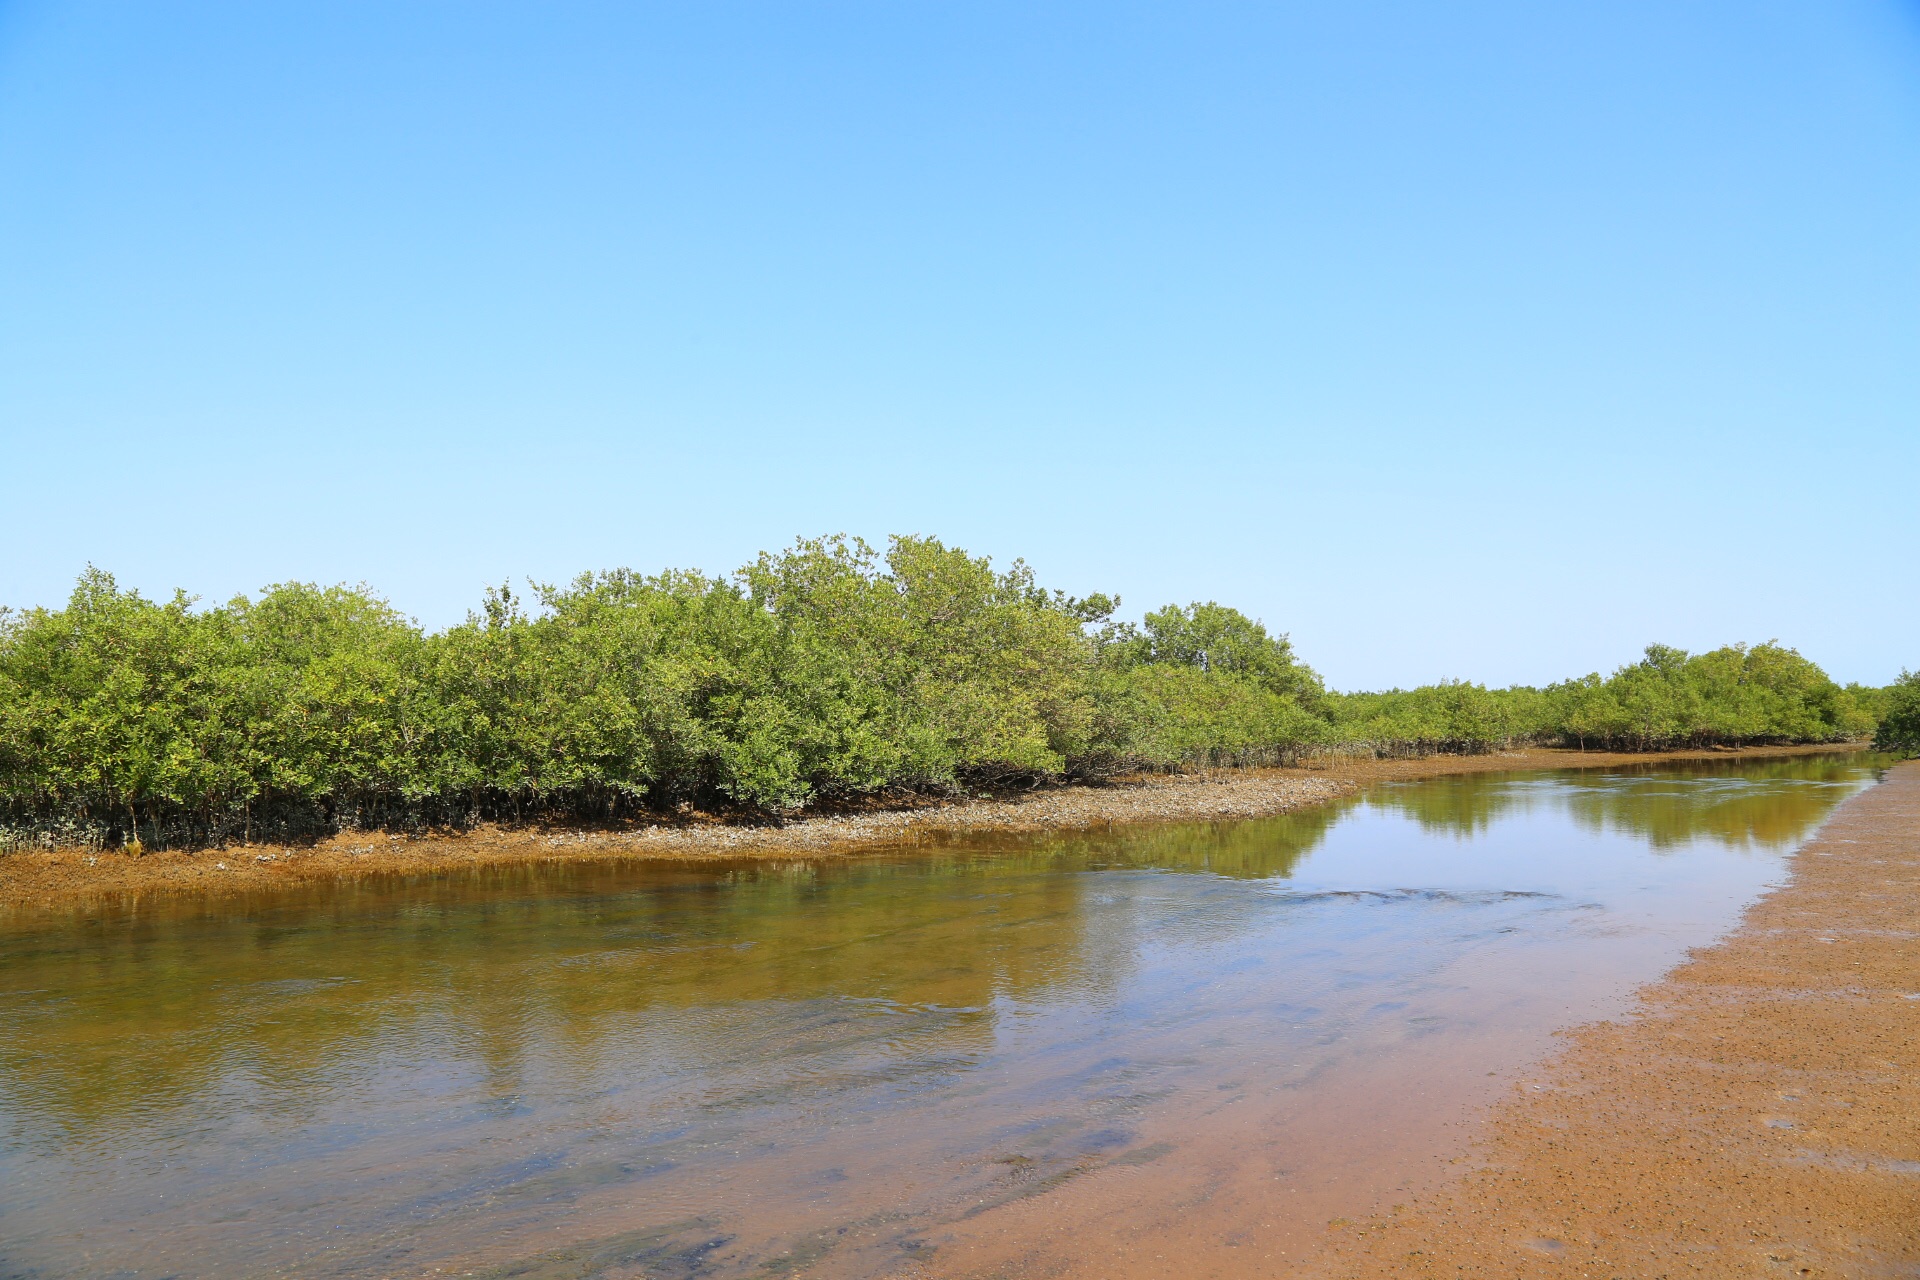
265 1043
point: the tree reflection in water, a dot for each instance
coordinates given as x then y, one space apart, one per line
1769 804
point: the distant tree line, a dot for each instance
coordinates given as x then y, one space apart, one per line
825 672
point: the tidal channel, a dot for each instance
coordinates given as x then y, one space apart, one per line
1156 1050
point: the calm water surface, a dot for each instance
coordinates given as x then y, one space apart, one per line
1035 1053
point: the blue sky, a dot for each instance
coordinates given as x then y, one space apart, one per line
1484 340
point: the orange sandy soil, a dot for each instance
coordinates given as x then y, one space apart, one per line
1758 1116
33 879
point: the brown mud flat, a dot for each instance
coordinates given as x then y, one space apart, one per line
62 878
1757 1116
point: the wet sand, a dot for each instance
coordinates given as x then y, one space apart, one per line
1757 1115
35 879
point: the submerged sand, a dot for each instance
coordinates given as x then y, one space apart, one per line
58 878
1758 1116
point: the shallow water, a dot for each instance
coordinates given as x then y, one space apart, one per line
1171 1049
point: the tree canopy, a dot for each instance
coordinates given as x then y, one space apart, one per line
824 670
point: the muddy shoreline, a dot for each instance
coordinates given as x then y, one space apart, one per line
1758 1114
60 879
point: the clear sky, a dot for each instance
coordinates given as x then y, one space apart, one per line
1489 340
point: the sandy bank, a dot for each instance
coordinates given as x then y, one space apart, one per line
38 879
1758 1116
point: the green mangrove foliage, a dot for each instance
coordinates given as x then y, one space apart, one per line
1899 729
1452 716
1201 684
1733 696
824 671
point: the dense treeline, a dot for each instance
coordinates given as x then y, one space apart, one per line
823 671
1899 716
1736 695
